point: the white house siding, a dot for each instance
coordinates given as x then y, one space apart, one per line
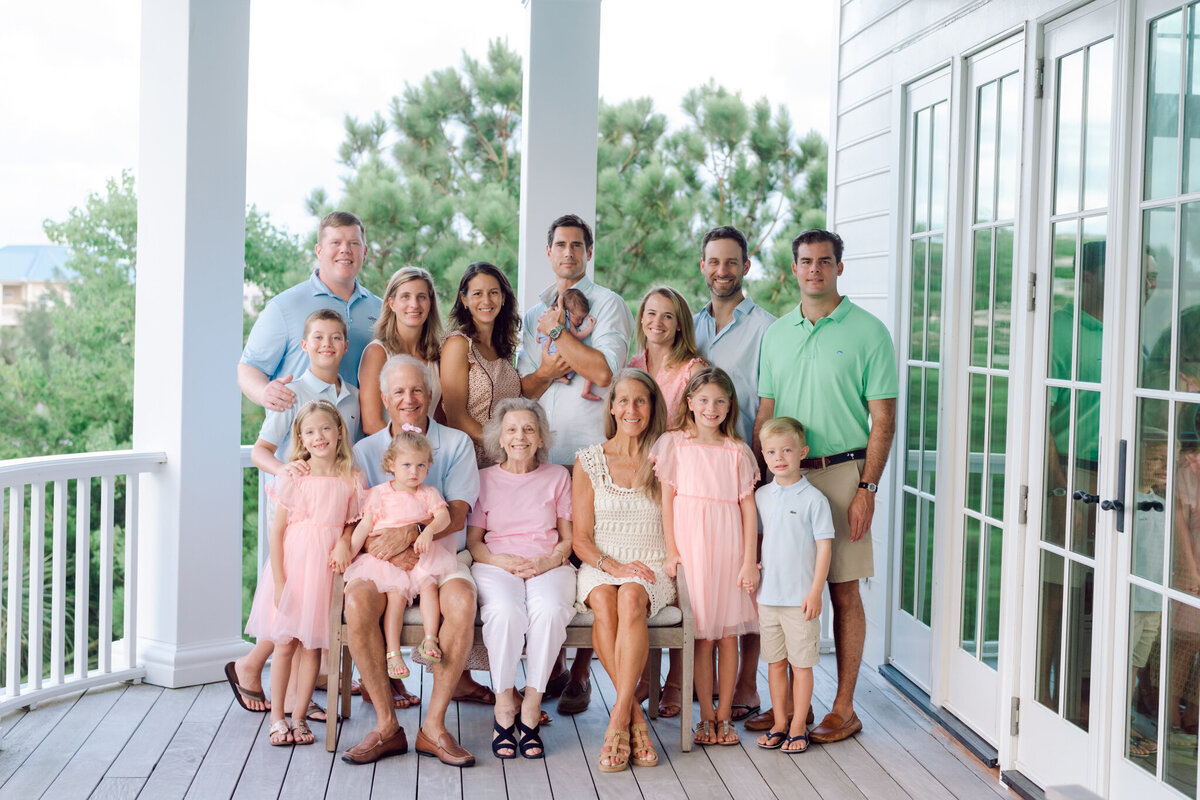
883 46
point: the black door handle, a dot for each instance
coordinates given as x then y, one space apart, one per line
1085 497
1112 505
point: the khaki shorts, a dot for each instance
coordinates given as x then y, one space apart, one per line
463 572
839 483
785 633
1146 625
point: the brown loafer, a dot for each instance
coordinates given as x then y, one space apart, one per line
575 697
445 749
372 748
834 729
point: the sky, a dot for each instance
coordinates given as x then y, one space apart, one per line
70 95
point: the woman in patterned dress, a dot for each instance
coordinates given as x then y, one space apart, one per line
477 355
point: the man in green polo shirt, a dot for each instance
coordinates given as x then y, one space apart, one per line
831 365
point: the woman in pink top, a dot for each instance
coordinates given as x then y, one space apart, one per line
668 344
519 534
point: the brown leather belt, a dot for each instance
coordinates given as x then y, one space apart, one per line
836 458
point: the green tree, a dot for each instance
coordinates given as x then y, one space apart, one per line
436 182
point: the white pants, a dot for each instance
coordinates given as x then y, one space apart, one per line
519 613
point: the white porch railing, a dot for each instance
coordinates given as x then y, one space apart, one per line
30 677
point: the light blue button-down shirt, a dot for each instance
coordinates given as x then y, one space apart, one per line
277 427
575 422
453 472
273 346
735 349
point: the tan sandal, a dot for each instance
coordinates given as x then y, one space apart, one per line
280 728
616 751
430 650
302 734
643 744
704 733
396 666
725 729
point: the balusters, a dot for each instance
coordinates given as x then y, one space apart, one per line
58 583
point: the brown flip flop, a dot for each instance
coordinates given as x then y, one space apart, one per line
241 693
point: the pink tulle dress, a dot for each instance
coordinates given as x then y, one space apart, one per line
709 481
318 509
391 508
671 382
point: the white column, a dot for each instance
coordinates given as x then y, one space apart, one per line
559 126
191 231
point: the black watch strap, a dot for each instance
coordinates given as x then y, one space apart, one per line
870 487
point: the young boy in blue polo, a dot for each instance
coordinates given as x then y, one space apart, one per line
797 543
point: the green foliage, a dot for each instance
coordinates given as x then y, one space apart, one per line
436 182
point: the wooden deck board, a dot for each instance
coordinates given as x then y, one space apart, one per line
85 770
59 746
23 737
131 741
146 746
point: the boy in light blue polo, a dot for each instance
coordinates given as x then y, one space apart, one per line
797 544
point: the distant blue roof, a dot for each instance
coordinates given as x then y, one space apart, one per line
32 262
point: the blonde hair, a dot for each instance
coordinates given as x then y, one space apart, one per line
324 315
343 461
655 426
685 419
410 441
431 331
783 426
684 348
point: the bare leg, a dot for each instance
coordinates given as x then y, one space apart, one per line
309 662
727 677
704 680
393 627
364 606
249 671
531 714
745 693
777 679
506 712
802 687
281 671
456 635
849 634
431 617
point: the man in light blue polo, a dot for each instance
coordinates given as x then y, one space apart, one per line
729 332
404 384
272 356
832 366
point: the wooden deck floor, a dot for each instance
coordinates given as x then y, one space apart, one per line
142 741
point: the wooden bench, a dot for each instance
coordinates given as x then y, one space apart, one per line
672 628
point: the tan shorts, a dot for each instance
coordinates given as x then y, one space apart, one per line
839 483
463 572
785 633
1146 625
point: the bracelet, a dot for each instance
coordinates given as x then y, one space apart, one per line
600 561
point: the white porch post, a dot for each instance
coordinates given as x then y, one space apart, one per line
191 232
559 125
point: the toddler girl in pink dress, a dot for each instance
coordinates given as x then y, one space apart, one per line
404 500
710 523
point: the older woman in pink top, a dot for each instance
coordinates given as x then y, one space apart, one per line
519 534
668 344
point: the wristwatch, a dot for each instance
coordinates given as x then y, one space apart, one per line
870 487
555 332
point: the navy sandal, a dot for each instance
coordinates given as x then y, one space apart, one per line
801 738
505 740
530 738
774 740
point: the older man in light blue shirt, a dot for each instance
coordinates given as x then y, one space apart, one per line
576 422
272 357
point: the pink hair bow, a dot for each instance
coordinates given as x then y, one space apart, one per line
410 428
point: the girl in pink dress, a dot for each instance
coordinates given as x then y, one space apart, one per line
291 605
668 341
404 500
708 476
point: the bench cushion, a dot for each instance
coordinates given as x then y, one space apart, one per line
666 618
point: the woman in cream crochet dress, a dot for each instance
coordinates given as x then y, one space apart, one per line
619 540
